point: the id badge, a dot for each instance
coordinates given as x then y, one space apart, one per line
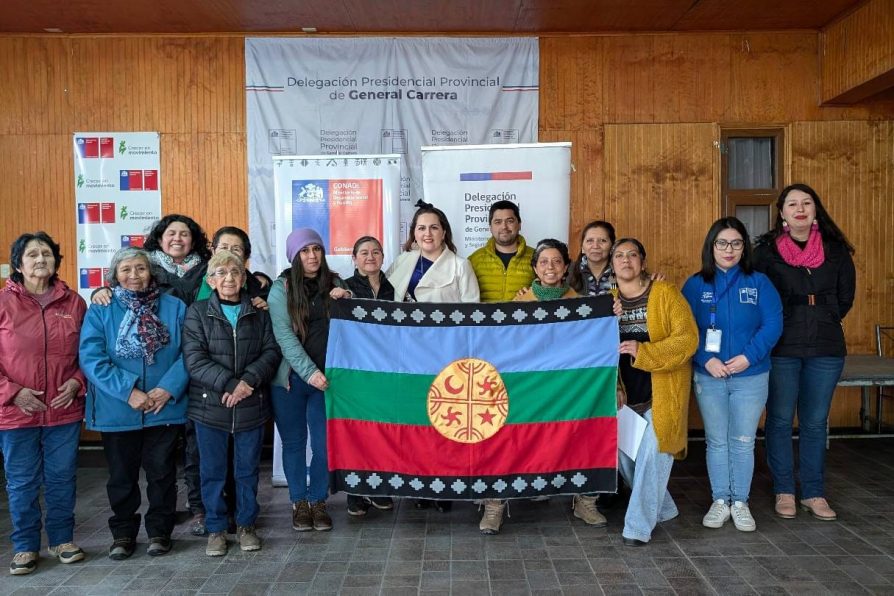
712 340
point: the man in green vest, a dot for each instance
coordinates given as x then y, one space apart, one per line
503 265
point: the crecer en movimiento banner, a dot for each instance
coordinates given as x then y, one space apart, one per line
349 96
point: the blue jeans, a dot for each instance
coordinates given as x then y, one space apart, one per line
41 456
731 409
650 502
805 385
295 411
213 446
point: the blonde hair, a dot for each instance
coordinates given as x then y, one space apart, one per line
223 258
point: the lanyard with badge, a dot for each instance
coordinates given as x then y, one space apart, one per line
713 335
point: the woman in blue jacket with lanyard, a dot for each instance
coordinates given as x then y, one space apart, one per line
739 316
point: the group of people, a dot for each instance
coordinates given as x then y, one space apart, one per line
185 341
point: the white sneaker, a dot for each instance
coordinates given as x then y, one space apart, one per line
742 517
717 515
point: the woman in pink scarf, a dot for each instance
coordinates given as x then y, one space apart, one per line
808 259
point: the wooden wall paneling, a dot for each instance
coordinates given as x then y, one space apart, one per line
572 78
857 57
629 92
33 89
661 187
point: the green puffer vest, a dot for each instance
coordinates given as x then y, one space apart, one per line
499 284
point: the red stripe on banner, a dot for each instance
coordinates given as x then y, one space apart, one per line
512 176
516 448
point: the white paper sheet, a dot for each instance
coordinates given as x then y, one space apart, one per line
631 427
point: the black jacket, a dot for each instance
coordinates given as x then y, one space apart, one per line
359 286
814 301
218 357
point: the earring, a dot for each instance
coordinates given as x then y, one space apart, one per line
784 224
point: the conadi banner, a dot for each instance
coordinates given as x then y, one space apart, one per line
348 96
117 198
463 401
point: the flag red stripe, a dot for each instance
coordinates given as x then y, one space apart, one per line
516 448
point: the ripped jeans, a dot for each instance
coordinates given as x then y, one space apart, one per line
731 409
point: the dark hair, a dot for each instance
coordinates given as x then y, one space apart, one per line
233 231
827 226
298 301
363 240
17 253
639 246
199 239
724 223
424 208
502 205
551 243
575 278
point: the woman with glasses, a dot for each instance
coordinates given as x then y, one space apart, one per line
739 317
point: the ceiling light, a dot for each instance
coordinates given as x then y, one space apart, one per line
309 29
52 29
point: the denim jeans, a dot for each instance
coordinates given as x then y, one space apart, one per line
805 385
295 411
47 456
153 449
731 409
650 502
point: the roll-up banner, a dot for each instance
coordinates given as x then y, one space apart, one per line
464 181
117 197
349 96
342 198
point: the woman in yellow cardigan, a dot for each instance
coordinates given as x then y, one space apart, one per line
658 338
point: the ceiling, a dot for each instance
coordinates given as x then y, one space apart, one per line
415 16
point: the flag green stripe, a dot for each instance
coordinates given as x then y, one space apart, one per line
550 396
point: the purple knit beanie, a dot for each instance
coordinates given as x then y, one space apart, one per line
300 238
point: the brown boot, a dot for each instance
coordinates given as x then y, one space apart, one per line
321 519
302 520
785 506
819 508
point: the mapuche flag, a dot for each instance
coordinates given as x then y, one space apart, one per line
472 401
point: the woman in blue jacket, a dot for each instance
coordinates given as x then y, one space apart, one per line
130 354
739 316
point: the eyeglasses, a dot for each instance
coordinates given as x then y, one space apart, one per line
236 249
222 273
724 244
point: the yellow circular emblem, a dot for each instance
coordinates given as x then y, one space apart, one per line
467 402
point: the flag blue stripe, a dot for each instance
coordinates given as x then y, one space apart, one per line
427 350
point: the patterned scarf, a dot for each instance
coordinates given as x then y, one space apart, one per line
547 293
812 256
592 285
167 263
141 333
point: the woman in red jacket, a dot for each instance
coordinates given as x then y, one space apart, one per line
41 400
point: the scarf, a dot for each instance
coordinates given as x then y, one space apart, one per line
595 286
167 263
141 333
547 293
812 255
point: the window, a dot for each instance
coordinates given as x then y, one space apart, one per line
751 175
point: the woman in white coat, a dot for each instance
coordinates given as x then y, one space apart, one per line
430 270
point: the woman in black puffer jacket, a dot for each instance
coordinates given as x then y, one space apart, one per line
231 354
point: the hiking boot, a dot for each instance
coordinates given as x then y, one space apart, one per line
302 519
122 548
321 519
585 509
819 508
158 546
197 525
23 563
68 552
357 506
248 538
717 515
785 506
217 544
492 519
742 517
381 503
